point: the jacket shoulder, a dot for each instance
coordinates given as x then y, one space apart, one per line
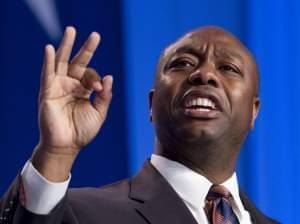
114 192
110 202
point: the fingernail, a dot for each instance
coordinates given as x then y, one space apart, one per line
70 29
110 83
96 36
97 86
47 47
67 29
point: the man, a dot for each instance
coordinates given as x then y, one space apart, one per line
204 102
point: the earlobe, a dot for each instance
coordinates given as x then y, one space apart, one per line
255 110
151 115
151 93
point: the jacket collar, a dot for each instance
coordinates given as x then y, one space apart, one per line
157 201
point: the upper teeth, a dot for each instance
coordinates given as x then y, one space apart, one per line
205 102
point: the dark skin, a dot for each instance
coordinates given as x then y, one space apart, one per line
208 63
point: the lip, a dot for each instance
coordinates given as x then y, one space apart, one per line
201 113
204 94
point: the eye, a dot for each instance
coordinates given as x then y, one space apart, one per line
182 63
229 68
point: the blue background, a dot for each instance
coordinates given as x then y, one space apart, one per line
134 33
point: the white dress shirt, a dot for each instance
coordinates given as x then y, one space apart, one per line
42 195
193 188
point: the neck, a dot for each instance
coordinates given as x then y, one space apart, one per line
214 162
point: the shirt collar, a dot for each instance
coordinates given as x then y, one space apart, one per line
190 185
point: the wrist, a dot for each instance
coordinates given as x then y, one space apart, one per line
54 167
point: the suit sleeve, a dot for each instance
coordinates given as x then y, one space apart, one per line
12 210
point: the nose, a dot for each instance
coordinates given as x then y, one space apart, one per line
203 76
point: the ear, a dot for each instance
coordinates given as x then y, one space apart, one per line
151 93
255 110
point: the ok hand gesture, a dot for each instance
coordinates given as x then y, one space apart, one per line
68 119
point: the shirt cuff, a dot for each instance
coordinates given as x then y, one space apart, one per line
41 194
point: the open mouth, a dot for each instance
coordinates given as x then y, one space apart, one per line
201 105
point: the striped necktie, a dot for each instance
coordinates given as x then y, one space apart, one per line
218 206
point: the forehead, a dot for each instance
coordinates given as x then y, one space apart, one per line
221 42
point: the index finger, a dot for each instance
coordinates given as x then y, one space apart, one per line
64 50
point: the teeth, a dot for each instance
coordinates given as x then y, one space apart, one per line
194 102
199 101
205 102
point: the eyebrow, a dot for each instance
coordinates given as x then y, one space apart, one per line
221 52
228 53
188 49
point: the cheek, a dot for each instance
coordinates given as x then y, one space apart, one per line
167 88
242 105
166 80
240 94
164 98
161 100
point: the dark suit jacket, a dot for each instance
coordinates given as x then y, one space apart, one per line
146 198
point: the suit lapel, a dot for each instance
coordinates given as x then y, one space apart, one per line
156 201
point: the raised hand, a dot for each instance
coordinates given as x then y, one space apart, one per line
68 119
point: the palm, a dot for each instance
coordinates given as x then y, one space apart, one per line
68 119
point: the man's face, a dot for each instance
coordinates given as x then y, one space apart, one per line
206 89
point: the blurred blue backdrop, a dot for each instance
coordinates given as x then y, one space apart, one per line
134 33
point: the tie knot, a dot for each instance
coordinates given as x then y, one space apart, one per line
218 191
218 206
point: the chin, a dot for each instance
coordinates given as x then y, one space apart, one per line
197 134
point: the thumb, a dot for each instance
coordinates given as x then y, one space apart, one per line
103 97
